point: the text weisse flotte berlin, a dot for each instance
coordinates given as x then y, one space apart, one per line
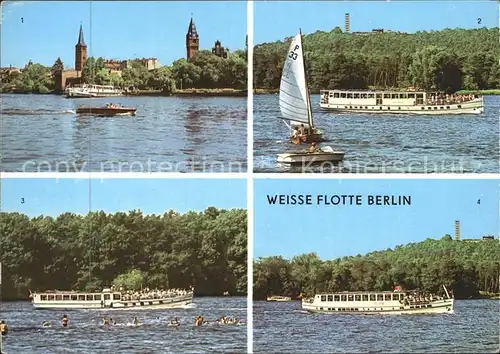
324 199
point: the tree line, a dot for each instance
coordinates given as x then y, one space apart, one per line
207 250
203 71
447 60
465 267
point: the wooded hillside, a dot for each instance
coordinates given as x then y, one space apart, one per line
448 60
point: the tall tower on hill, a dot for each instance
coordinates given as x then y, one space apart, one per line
80 52
457 230
192 40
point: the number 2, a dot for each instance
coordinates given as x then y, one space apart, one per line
292 55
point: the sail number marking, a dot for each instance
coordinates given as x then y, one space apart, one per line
293 55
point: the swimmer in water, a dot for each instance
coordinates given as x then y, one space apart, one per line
136 321
199 321
3 328
64 321
105 321
46 324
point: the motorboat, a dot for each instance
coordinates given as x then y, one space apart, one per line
324 154
108 110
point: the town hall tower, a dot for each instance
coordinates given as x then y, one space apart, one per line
192 40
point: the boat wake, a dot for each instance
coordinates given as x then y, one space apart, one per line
33 112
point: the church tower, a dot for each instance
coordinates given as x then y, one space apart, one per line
192 40
80 52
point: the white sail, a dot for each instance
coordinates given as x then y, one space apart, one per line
294 100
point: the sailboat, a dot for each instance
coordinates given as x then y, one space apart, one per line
295 106
295 101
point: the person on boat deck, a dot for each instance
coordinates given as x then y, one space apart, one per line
3 328
313 148
64 321
295 133
302 130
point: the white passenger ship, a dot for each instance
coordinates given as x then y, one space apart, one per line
92 91
111 299
395 102
390 302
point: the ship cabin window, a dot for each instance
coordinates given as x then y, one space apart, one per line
356 95
349 95
380 297
379 95
411 95
420 95
97 297
350 297
387 297
365 297
323 297
107 296
51 297
330 297
116 297
336 95
74 297
90 297
357 297
371 95
58 297
343 297
394 95
372 297
343 95
43 297
81 297
65 297
387 95
336 297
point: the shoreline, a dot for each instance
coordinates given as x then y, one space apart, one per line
227 92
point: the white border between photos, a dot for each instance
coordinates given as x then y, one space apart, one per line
249 176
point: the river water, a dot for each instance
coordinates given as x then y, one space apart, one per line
42 133
284 328
86 334
385 143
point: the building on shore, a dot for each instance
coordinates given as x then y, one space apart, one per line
74 76
193 43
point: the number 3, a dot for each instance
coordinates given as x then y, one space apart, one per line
292 55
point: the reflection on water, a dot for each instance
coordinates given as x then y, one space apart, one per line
168 134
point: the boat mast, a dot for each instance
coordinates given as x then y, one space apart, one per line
309 110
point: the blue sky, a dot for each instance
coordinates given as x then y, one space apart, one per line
404 16
337 231
152 196
117 30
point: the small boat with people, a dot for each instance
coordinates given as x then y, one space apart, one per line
294 97
398 102
278 298
111 109
111 298
92 91
313 155
379 302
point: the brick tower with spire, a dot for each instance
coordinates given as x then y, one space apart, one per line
192 40
80 52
